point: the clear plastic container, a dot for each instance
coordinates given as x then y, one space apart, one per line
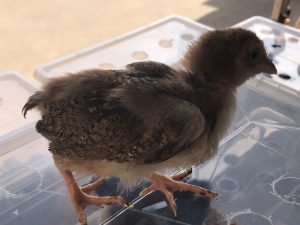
256 172
163 41
14 92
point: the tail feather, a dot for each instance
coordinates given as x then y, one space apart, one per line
32 102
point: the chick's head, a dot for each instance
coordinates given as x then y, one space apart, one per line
229 56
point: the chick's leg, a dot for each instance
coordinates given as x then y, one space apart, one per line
80 195
168 185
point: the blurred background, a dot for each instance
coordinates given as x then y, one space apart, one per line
38 31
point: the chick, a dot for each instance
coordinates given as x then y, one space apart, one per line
139 121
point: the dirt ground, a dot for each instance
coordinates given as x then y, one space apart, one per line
34 32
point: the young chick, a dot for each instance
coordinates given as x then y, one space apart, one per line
135 122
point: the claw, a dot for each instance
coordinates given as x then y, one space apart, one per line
127 205
171 201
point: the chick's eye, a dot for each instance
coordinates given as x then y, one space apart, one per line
254 54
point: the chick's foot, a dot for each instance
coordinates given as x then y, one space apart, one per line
81 199
168 185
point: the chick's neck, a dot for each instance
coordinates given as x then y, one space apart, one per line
211 96
210 93
218 85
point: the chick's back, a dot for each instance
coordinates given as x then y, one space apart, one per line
119 115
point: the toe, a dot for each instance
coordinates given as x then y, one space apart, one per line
81 215
83 221
92 186
182 174
196 189
212 194
147 190
108 200
171 201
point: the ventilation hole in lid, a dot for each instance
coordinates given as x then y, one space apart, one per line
1 101
140 55
276 46
231 159
228 185
265 31
106 66
293 39
247 218
166 43
187 37
265 177
284 76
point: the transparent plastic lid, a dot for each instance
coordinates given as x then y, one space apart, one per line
14 91
256 172
164 41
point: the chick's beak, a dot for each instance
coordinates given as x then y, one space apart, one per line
268 67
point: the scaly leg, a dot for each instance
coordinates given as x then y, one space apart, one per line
80 196
168 185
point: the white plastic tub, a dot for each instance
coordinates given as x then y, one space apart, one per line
164 41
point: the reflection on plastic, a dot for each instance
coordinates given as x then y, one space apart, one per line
287 189
20 182
257 219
